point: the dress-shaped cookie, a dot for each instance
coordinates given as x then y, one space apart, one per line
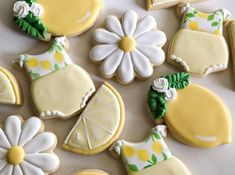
199 46
10 92
150 157
193 114
43 18
59 88
90 172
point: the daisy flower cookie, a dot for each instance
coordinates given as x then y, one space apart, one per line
128 47
26 149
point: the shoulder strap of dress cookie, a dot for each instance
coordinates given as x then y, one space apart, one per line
226 13
63 41
161 129
116 147
182 9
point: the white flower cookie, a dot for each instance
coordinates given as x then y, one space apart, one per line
43 19
128 47
26 149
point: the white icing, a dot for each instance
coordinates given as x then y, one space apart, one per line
17 170
7 170
28 168
63 41
51 113
4 143
206 138
100 52
86 97
113 24
21 9
87 15
129 22
160 85
162 129
171 94
184 8
180 61
21 60
3 163
13 129
152 38
36 9
226 13
116 147
105 37
214 68
145 25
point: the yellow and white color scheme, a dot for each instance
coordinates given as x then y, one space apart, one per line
199 46
10 92
59 88
231 32
26 149
90 172
150 157
100 123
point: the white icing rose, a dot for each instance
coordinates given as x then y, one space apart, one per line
36 9
171 94
160 84
21 9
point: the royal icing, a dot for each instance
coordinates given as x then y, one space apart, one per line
25 149
231 32
99 124
128 47
90 172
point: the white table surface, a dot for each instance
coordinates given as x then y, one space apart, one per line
217 161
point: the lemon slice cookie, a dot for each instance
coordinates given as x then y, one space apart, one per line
193 114
90 172
43 18
99 125
10 92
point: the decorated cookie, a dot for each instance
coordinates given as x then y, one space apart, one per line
128 47
43 18
100 123
25 148
59 88
193 114
231 32
158 4
90 172
150 157
199 46
10 92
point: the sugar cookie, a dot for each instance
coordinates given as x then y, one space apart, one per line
90 172
150 157
206 50
43 18
100 123
231 33
193 114
128 47
25 148
10 92
59 88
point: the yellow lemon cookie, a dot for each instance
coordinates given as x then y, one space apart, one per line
10 92
193 114
100 123
90 172
59 88
150 157
43 18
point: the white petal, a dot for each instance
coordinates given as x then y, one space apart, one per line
126 71
112 62
129 22
3 163
17 170
145 25
13 129
100 52
29 169
4 143
113 24
30 129
7 170
142 65
3 153
45 161
41 142
153 37
104 36
155 54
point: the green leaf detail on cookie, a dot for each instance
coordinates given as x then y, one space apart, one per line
35 75
178 80
210 17
133 168
214 24
189 15
30 1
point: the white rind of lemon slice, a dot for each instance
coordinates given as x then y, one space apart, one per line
99 125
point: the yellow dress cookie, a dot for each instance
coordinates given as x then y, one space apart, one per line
43 18
231 32
10 92
90 172
100 123
59 88
193 114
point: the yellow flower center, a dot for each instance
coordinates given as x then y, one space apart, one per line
15 155
127 44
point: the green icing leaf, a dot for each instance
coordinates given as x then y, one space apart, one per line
210 17
154 159
189 15
164 156
133 168
30 1
34 75
178 80
215 24
148 166
156 136
56 67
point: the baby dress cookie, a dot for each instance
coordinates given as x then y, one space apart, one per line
90 172
128 47
231 32
199 46
10 92
150 157
25 148
59 88
193 114
100 123
43 18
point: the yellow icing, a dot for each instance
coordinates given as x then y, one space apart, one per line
69 17
100 123
157 147
200 120
59 57
199 50
127 44
143 155
90 172
128 151
15 155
